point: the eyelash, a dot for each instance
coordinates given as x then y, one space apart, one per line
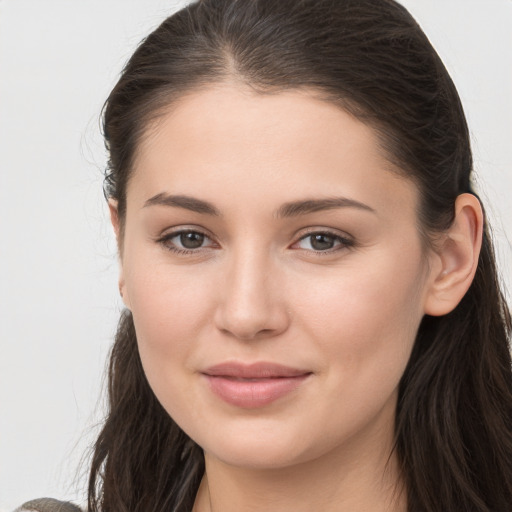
167 244
341 241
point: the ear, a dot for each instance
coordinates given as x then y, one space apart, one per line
455 259
114 219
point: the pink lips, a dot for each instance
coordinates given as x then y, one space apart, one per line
254 385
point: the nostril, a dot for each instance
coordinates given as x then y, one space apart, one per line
253 324
248 335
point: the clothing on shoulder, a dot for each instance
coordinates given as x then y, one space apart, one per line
48 505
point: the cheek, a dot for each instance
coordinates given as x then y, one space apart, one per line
170 305
366 320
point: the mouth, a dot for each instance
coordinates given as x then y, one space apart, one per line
254 385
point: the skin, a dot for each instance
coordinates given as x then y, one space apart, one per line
257 289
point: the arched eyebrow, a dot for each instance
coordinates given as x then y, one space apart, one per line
303 207
291 209
186 202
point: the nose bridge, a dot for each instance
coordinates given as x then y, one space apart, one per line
250 278
251 304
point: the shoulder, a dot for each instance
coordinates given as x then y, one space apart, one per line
48 505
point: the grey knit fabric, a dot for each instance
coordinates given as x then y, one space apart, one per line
48 505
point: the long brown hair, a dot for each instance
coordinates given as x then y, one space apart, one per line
454 415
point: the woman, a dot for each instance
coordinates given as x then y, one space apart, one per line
313 320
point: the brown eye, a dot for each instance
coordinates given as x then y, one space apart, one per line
191 239
186 241
323 242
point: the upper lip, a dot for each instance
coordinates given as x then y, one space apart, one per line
260 370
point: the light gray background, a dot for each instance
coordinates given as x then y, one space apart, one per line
58 269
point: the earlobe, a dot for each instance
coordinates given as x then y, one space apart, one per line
456 257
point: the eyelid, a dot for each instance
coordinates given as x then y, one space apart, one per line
165 239
346 241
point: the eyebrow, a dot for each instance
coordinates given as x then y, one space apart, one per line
186 202
303 207
291 209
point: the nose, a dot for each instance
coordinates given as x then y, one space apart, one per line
252 299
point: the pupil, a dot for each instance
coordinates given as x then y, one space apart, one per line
322 242
191 240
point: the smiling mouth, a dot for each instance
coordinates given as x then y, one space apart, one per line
255 385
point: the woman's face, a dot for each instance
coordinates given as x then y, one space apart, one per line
274 269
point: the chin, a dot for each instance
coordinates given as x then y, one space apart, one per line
255 456
260 446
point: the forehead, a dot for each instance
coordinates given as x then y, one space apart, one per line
281 145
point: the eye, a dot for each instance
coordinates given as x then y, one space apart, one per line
185 241
323 242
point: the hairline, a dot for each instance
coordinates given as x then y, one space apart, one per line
164 101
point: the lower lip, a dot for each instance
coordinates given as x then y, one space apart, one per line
251 394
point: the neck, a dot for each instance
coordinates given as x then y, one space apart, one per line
364 477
